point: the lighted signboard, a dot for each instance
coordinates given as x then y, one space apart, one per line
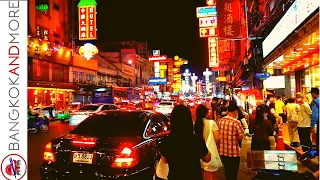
155 52
157 58
208 32
156 69
208 22
87 20
262 76
296 14
206 11
213 52
157 81
211 2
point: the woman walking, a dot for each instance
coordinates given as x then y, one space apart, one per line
204 127
182 149
261 129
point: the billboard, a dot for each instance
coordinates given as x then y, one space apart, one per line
128 55
208 32
157 81
157 58
229 19
213 52
206 11
87 22
208 22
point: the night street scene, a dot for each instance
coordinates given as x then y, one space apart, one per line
177 90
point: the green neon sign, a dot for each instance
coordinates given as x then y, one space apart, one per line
42 7
83 3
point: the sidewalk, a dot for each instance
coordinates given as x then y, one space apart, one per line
312 164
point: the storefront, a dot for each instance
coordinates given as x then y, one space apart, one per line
292 47
48 74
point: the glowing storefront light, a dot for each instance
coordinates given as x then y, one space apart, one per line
207 75
187 75
88 50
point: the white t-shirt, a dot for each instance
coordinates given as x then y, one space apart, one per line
206 130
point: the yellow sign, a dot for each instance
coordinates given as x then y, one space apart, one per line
176 57
163 67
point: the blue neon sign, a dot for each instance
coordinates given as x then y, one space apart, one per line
207 11
154 81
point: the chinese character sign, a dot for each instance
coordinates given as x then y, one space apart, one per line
229 18
213 52
87 23
208 32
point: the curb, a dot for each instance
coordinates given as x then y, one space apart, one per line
313 166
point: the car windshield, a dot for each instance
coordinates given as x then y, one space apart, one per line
166 103
115 124
73 106
89 107
122 103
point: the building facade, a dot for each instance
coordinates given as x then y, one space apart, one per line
48 56
290 49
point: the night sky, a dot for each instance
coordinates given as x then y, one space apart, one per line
168 25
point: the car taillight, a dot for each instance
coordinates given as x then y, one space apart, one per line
84 141
48 154
126 159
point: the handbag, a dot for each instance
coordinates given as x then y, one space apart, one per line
215 161
162 170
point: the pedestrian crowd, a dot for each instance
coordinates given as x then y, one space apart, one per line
196 151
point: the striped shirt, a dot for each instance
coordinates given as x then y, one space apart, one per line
230 131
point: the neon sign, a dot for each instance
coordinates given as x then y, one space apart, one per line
87 10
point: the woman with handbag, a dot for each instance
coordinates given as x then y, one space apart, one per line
182 149
210 132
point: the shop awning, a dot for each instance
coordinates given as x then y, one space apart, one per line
52 85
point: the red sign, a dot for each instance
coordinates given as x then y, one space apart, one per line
229 19
211 2
208 22
213 52
208 32
87 23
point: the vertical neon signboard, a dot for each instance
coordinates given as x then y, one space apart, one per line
213 52
87 10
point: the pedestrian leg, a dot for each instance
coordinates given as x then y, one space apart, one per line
231 167
290 130
305 140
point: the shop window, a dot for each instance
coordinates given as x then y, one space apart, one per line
81 78
75 76
57 72
40 70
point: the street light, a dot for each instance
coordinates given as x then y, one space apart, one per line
130 61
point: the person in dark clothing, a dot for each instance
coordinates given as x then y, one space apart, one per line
214 107
182 149
261 129
223 109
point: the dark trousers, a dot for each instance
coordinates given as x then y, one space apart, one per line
259 145
284 117
304 136
231 167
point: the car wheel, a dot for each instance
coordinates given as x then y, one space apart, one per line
44 128
62 120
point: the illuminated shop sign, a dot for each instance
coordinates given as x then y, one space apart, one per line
208 32
262 76
87 20
158 58
155 52
155 81
208 22
42 33
206 11
296 14
213 52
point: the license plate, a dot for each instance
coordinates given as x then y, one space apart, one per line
84 158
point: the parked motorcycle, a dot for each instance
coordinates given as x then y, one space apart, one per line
37 123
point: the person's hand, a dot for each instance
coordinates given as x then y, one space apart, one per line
312 130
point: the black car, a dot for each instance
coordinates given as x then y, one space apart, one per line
108 145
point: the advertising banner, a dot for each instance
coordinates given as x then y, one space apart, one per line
158 58
87 22
157 81
206 11
208 32
128 55
213 52
14 80
229 19
208 22
128 70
